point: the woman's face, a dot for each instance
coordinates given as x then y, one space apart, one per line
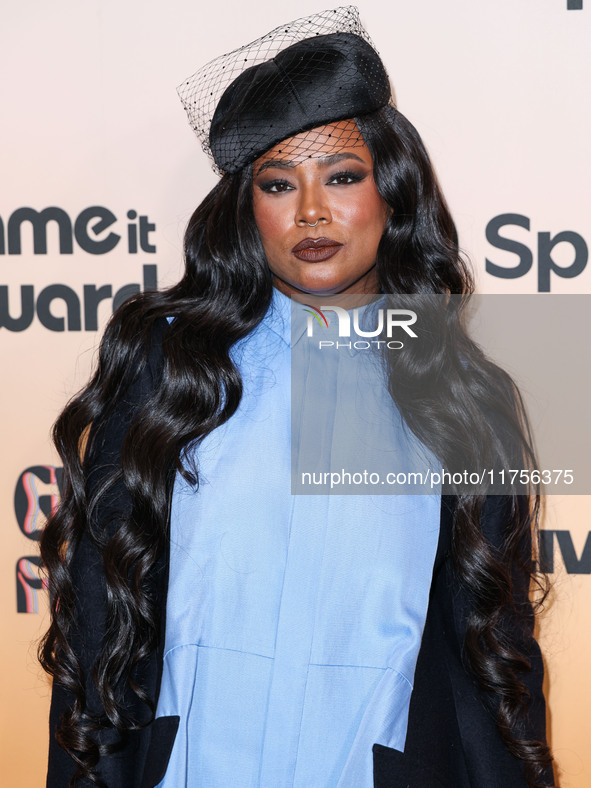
324 178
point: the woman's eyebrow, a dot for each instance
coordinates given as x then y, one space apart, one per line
326 161
281 163
322 161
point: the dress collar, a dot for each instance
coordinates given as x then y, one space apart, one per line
286 318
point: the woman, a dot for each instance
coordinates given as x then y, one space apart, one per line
310 641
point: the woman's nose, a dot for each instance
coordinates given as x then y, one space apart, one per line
312 207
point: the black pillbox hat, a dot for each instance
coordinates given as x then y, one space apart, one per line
315 81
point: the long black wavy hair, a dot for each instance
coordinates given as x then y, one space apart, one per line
223 295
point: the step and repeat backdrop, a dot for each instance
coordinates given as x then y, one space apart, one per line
99 173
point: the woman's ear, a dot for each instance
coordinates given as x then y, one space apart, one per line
388 212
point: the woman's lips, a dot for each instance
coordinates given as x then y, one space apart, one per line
315 250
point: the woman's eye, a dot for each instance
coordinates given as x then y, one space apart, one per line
345 178
274 187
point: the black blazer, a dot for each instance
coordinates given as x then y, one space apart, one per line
452 739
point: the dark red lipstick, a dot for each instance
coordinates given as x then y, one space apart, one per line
315 250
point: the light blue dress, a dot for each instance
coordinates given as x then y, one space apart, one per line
293 621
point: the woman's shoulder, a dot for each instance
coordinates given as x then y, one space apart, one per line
103 438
